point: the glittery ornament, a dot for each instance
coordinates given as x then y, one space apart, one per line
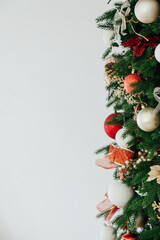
129 80
147 121
120 92
112 128
129 236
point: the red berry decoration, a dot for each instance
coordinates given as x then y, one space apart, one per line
131 79
112 128
130 236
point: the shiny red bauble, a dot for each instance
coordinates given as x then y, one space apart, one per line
129 236
112 128
131 79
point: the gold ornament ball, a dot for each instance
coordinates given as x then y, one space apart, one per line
147 121
143 106
147 11
141 221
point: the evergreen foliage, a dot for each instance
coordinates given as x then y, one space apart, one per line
148 67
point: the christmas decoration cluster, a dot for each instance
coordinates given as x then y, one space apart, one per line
131 206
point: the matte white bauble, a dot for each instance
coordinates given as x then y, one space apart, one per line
147 11
147 121
107 35
107 233
123 142
157 53
119 194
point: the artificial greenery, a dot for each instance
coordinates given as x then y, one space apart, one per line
148 67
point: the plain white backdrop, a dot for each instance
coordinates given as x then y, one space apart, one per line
52 109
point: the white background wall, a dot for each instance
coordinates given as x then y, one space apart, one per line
52 108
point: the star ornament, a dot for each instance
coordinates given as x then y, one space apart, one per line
154 174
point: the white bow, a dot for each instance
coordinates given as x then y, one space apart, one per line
121 14
156 95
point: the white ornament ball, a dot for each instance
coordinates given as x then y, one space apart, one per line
107 233
123 142
147 121
147 11
157 53
119 194
107 37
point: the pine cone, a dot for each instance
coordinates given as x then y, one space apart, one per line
109 70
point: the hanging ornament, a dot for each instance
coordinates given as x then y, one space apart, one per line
147 120
147 11
107 233
129 236
157 53
123 142
141 221
131 79
111 128
119 194
121 92
107 36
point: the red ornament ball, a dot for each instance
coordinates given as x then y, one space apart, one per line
112 128
129 236
131 79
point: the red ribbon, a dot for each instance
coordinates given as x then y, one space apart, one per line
116 156
107 205
140 44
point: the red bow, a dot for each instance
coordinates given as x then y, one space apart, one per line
140 44
107 206
116 156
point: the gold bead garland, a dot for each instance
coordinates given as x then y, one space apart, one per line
143 156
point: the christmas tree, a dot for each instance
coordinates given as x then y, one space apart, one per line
131 208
